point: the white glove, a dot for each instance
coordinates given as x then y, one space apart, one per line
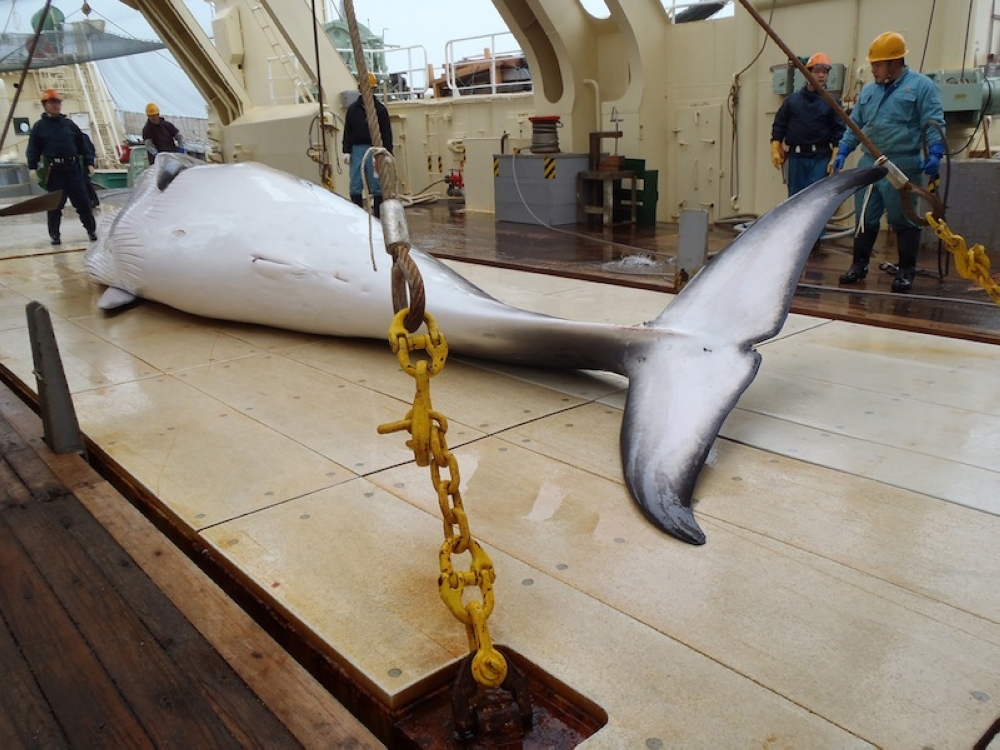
90 170
347 159
33 175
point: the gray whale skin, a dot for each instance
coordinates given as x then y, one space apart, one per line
244 242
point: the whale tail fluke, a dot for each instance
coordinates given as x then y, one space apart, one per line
683 385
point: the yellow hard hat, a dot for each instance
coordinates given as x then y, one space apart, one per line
820 58
152 109
372 80
889 45
51 94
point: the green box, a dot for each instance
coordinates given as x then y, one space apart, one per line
110 178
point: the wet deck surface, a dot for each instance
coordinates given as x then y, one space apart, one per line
847 594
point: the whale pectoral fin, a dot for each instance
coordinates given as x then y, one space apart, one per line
113 298
680 393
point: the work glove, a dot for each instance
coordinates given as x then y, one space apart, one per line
181 150
931 166
777 154
347 159
33 175
90 170
838 161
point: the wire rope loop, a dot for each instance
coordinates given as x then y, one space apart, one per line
408 291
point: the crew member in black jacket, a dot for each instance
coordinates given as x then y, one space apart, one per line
58 154
357 140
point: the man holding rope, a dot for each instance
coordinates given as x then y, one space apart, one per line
891 112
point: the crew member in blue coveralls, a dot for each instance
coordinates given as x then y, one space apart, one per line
892 111
58 155
806 130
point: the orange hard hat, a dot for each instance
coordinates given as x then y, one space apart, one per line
889 45
152 109
50 94
820 58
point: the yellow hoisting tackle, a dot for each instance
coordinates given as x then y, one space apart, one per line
427 427
972 263
427 430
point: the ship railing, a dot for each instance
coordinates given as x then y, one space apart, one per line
402 72
493 59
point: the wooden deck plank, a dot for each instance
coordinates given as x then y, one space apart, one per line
81 694
313 716
174 699
143 611
25 719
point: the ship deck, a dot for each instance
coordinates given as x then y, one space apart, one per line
847 595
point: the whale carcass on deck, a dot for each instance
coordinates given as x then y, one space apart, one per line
247 243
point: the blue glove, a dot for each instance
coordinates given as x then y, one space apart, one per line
181 150
932 164
839 159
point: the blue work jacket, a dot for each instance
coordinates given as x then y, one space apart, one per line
893 115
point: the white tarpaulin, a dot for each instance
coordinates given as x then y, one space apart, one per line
136 80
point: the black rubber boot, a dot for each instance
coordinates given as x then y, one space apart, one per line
357 199
90 224
54 220
377 209
863 244
908 241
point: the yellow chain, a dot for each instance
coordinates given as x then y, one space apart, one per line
427 430
971 263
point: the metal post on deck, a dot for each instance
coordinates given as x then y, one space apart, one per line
692 244
62 431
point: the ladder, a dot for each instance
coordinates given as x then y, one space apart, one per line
289 63
106 128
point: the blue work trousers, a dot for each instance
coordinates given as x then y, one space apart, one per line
803 171
885 199
357 185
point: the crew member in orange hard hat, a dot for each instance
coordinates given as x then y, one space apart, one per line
894 112
160 135
806 130
358 139
58 155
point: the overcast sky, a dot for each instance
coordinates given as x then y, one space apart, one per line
430 23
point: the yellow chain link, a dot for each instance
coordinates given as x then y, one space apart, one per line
427 430
971 263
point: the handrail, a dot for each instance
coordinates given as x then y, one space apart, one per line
494 55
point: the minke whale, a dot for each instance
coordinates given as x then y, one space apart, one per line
244 242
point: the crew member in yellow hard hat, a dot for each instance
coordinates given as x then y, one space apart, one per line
58 155
160 135
357 140
806 130
893 111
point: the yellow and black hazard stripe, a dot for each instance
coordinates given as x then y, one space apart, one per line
549 168
496 166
